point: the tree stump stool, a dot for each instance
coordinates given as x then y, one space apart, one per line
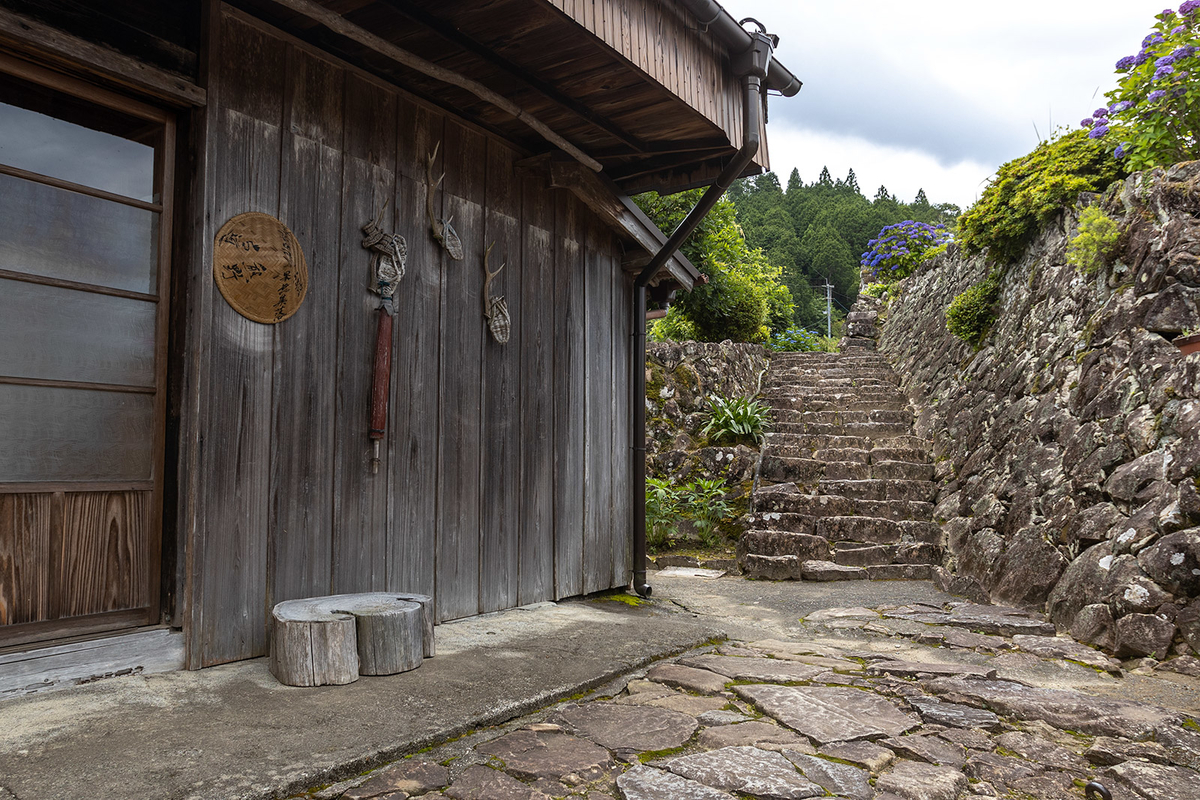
320 641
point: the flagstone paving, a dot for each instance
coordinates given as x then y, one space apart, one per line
958 700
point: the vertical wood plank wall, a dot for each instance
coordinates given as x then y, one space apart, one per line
504 473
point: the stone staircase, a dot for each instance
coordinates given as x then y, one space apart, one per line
844 488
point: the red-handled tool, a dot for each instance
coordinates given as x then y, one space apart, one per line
388 264
381 384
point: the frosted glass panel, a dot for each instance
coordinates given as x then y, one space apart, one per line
68 335
74 435
62 234
61 149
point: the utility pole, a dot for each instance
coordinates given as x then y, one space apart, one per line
828 309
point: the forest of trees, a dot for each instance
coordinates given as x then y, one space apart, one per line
818 231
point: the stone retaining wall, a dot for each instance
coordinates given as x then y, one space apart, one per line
679 378
1068 445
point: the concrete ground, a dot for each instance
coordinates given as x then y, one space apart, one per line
234 732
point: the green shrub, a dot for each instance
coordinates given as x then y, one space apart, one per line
736 419
706 506
1028 191
727 307
972 313
1094 244
662 513
674 327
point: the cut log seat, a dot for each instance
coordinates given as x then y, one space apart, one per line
320 641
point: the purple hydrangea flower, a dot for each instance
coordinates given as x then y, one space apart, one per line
1156 95
1178 29
1155 38
1188 7
1100 112
1098 132
1087 123
1185 51
1118 107
1141 58
1165 61
1120 151
1163 72
1127 63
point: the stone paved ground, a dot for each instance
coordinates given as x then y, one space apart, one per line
915 701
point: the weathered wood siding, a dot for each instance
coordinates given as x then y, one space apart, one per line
663 40
504 474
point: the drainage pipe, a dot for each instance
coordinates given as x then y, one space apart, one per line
759 49
717 21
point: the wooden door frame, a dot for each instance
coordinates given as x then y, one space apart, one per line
50 631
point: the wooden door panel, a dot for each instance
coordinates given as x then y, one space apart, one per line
103 552
25 523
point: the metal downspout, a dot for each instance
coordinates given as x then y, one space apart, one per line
762 47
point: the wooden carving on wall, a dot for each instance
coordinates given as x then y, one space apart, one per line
442 230
495 310
259 267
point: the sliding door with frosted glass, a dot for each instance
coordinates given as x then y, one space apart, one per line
84 221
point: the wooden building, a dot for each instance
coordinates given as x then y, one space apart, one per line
169 465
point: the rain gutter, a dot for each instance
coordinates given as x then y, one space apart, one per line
752 63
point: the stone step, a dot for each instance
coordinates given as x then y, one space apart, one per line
786 498
803 445
859 555
811 381
901 572
870 430
804 546
900 470
856 344
839 417
864 530
837 403
851 373
912 455
898 510
808 471
852 454
874 489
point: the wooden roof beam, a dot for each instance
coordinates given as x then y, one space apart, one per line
452 34
614 208
343 27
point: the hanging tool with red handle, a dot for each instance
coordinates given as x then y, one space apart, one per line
389 251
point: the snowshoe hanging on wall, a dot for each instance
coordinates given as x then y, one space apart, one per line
495 310
442 230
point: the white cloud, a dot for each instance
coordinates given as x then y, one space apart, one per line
968 85
902 170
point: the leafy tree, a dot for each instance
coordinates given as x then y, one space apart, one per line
817 231
852 182
744 298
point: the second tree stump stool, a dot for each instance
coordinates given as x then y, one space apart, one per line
319 641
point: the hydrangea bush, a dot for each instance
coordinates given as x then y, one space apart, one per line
797 340
899 249
1153 116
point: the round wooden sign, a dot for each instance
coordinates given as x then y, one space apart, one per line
259 267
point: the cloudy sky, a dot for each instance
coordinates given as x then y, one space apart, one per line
936 94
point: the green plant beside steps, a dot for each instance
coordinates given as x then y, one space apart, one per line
662 513
707 508
736 419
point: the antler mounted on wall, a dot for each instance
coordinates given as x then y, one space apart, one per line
495 310
442 230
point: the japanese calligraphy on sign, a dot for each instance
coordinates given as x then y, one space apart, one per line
259 267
